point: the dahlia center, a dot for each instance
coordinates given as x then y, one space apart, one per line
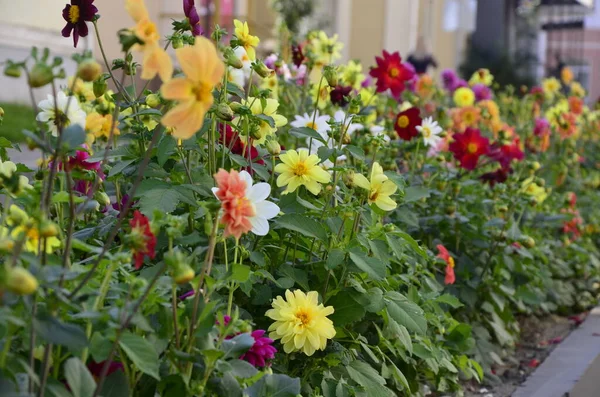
33 234
373 195
426 131
312 125
74 14
451 261
403 121
472 148
201 91
300 169
304 316
394 72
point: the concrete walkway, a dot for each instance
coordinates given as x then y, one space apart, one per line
26 156
573 368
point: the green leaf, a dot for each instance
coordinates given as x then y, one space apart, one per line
414 193
450 300
235 90
334 259
363 374
237 345
373 267
141 352
406 313
303 225
116 385
5 143
58 333
409 240
100 347
81 382
166 147
347 310
53 389
274 385
162 199
306 132
74 136
355 151
119 167
267 119
240 273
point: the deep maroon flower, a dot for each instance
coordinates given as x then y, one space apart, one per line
498 176
482 92
297 55
339 95
391 73
406 123
505 154
233 141
468 147
96 368
261 351
143 240
189 9
77 14
450 79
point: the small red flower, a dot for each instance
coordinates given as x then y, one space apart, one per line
534 363
407 122
505 154
391 73
468 147
144 241
450 277
232 140
77 14
297 55
498 176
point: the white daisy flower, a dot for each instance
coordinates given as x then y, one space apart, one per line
377 131
350 127
320 123
67 116
430 131
236 76
263 209
242 55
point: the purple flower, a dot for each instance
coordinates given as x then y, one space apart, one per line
189 9
77 14
262 351
461 83
299 73
482 92
186 295
120 205
367 82
450 79
339 95
270 61
542 127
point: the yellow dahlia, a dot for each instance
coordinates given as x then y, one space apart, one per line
249 42
463 97
380 188
299 168
301 322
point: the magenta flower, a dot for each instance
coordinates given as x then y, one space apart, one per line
482 92
450 79
262 351
77 14
189 9
542 127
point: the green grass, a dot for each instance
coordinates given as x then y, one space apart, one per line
16 118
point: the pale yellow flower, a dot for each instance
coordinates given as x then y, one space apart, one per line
269 109
299 168
380 188
249 42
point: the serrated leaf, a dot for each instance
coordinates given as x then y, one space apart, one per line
347 310
407 313
80 380
164 200
306 132
450 300
74 136
238 345
274 385
303 225
240 273
166 147
334 259
373 267
119 167
141 352
414 193
54 331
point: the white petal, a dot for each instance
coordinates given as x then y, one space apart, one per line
266 209
245 176
43 116
215 190
260 226
259 192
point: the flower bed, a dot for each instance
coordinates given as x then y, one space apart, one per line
285 226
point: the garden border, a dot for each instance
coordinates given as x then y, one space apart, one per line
567 364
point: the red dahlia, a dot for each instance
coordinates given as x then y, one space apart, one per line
468 147
505 154
406 123
391 73
143 240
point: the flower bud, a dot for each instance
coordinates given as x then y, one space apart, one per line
40 75
273 147
12 70
224 112
236 106
528 242
354 108
177 42
19 281
48 229
260 69
1 113
6 245
153 100
102 198
535 165
232 60
330 75
183 274
89 70
255 132
100 86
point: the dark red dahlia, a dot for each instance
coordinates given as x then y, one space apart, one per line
234 143
391 73
498 176
297 55
189 9
77 14
339 95
505 154
468 147
142 238
407 122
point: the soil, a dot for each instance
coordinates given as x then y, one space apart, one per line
539 336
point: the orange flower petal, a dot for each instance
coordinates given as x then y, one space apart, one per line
186 118
179 89
156 61
201 61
